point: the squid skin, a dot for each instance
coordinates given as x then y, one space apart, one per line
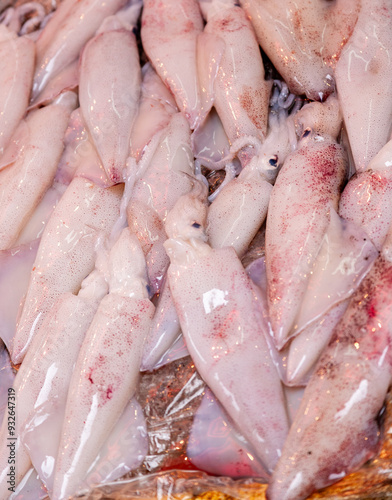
75 24
110 77
298 217
167 176
45 373
241 95
169 34
304 39
156 108
107 369
69 239
17 55
23 184
335 429
368 194
364 82
220 320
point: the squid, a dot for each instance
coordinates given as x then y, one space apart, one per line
156 107
224 329
166 177
109 90
304 39
84 213
17 55
65 35
365 69
24 183
307 188
45 372
240 93
365 200
107 368
169 35
214 445
335 429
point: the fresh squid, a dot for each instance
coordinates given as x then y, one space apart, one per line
84 213
169 34
304 39
366 199
156 107
16 75
365 69
166 177
24 183
220 319
73 25
335 430
306 190
107 368
240 93
109 90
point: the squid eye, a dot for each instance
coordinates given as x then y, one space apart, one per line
273 161
306 132
196 225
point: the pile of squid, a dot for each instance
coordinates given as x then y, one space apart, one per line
132 195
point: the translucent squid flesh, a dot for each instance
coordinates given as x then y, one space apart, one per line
110 78
17 56
107 368
298 217
15 265
241 95
365 69
23 184
167 176
156 106
215 447
335 430
366 199
304 39
222 325
45 373
84 213
79 22
169 34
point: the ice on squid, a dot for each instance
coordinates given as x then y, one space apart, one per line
241 95
66 253
298 218
214 446
335 430
17 56
16 266
304 40
364 82
167 176
66 34
366 199
169 35
109 90
107 369
223 328
24 183
156 107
